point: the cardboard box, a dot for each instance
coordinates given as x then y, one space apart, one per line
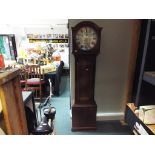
147 114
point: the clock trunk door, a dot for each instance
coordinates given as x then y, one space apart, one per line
85 80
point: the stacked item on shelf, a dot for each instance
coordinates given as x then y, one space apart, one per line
147 114
141 120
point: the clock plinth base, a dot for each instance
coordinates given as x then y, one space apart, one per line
84 117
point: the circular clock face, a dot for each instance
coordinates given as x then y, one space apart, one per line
86 38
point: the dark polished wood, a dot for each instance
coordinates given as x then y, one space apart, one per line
84 117
84 79
84 108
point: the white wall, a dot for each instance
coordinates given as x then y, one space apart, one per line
111 67
5 29
35 29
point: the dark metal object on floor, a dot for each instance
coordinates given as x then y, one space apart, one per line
44 128
46 125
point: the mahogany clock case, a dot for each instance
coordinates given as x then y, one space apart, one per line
84 108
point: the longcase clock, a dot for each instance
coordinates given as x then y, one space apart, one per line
86 46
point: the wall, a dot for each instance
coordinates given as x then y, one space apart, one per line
5 29
111 67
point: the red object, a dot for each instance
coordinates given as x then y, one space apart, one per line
2 64
57 58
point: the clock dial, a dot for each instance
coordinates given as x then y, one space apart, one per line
86 38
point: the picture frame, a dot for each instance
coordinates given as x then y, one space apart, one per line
30 36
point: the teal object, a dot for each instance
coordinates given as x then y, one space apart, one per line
2 49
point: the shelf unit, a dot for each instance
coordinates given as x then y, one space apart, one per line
144 82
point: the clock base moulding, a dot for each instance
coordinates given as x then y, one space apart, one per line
84 117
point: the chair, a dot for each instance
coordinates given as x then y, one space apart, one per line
23 77
35 79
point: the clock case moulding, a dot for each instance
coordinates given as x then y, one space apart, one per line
84 108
